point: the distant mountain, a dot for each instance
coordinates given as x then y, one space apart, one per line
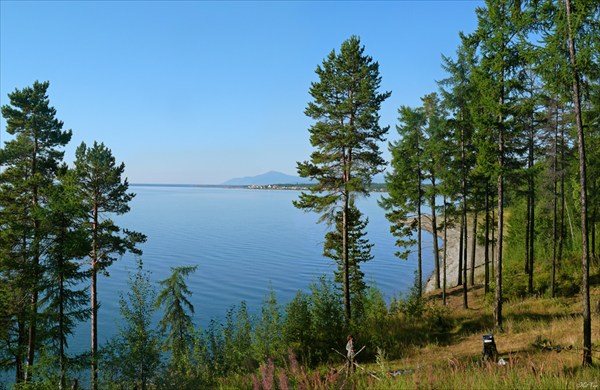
271 177
274 177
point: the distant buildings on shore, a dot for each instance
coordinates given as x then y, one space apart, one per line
303 187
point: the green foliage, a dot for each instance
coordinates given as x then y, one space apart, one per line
297 328
239 351
104 192
404 183
33 156
413 306
30 162
345 106
268 335
328 329
132 358
212 350
177 318
372 329
359 251
64 301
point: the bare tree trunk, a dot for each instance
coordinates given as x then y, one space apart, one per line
498 295
460 252
555 207
32 332
445 252
473 248
464 213
21 338
493 257
531 216
531 245
585 287
498 292
527 231
419 221
593 243
35 267
61 332
345 243
94 299
347 308
594 218
434 231
419 241
562 227
487 238
465 250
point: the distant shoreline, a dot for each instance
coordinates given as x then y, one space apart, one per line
377 187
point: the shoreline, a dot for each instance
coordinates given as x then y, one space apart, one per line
452 255
376 187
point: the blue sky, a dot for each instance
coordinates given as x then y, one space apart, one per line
196 92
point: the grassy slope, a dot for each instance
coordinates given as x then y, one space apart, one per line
541 343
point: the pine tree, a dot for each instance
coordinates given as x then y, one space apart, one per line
459 97
30 163
67 244
499 26
104 193
592 116
345 135
570 31
435 162
575 71
405 185
359 251
177 317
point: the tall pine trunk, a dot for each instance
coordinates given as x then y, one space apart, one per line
498 292
419 241
531 216
465 250
527 231
554 207
445 253
434 231
493 234
61 331
486 260
21 341
464 213
562 227
460 256
460 252
94 298
473 248
35 268
585 266
347 307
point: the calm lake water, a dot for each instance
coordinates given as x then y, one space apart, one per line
243 242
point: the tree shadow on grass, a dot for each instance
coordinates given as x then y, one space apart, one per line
538 317
482 323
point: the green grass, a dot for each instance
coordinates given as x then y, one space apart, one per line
540 343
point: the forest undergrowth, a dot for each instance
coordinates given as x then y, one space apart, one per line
539 348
